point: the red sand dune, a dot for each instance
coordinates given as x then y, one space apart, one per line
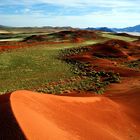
112 48
102 64
114 116
115 48
110 56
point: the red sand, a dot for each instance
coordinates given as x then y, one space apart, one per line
114 116
4 46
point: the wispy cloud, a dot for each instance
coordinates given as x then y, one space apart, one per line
78 13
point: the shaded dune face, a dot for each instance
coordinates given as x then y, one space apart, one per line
9 127
36 38
72 118
117 42
108 51
111 48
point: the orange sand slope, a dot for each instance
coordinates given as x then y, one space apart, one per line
32 116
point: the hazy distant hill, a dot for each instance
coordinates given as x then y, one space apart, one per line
3 27
8 29
128 29
50 28
104 29
43 27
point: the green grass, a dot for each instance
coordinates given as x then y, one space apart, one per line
87 81
95 81
90 42
34 67
111 36
31 67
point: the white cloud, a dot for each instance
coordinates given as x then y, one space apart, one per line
113 19
121 13
26 10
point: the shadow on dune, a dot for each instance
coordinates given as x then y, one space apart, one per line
9 128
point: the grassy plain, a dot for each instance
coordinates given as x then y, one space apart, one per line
30 68
34 67
112 36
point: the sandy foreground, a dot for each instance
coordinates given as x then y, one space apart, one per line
112 116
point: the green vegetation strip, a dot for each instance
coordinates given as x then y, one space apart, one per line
35 68
28 68
95 81
111 36
87 80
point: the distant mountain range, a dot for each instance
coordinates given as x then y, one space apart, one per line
105 29
43 27
8 29
127 29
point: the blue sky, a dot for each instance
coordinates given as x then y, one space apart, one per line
75 13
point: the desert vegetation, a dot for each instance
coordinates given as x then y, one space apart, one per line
41 60
133 64
98 79
30 67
